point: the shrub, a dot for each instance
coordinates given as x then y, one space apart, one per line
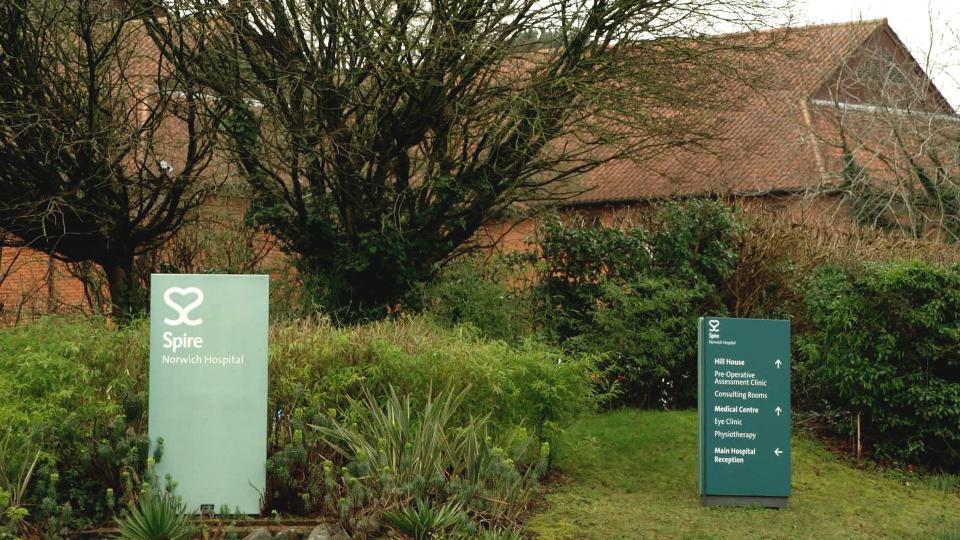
157 514
576 259
886 345
316 368
696 242
773 262
18 459
422 522
646 330
480 294
393 453
314 365
634 296
75 391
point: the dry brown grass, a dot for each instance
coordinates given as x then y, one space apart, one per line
777 254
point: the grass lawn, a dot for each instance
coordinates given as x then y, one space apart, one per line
633 474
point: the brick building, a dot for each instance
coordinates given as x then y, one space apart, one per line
783 146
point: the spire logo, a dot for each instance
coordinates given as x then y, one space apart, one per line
183 312
714 330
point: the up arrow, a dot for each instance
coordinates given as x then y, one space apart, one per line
778 452
779 410
778 363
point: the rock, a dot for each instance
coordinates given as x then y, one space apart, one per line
259 534
289 534
322 531
325 531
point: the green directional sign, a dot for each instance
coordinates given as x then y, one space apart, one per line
744 411
208 387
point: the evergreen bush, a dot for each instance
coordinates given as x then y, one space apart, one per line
886 346
633 295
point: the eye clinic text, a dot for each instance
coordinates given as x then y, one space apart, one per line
175 343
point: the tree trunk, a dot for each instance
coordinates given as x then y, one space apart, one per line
127 299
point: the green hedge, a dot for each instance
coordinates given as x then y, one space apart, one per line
632 294
76 390
485 293
315 368
886 346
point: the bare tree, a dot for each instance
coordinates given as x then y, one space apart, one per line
898 141
24 292
8 262
103 149
378 136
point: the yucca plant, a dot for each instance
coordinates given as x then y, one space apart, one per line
396 452
500 534
158 515
16 470
421 521
415 446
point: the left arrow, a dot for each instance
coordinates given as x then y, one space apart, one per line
778 452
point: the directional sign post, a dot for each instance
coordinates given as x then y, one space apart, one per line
744 404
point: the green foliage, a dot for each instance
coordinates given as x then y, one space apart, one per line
529 390
476 292
75 390
423 522
77 393
394 452
157 515
646 329
11 515
634 296
16 471
500 534
696 242
886 345
945 482
576 261
317 366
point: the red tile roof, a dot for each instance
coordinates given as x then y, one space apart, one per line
764 143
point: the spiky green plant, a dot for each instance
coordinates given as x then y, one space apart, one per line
500 534
157 515
423 522
16 470
396 452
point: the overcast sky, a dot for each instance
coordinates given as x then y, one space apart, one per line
911 20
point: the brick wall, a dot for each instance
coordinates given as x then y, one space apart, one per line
819 213
33 284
